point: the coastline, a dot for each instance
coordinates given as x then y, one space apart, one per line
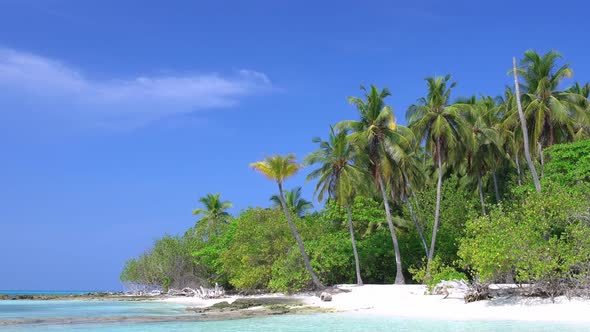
409 301
400 301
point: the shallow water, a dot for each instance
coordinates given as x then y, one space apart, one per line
35 309
42 292
96 310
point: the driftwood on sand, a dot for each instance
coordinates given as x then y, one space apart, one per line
201 292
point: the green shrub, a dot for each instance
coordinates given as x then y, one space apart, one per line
568 164
288 274
260 238
539 238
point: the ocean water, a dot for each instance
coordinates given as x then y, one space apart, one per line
42 292
88 316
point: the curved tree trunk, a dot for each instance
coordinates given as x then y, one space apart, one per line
480 189
518 170
437 211
496 190
399 277
414 195
525 134
359 280
418 227
314 278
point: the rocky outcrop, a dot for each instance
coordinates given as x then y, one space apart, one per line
326 297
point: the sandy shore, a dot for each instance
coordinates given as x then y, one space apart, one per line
410 301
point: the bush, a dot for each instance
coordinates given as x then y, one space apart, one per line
541 238
167 264
260 238
457 205
289 274
568 164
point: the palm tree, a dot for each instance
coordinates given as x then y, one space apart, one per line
580 94
279 168
483 148
296 204
404 171
214 216
375 134
509 127
337 177
550 112
442 127
523 125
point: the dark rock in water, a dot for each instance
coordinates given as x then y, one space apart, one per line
272 303
253 307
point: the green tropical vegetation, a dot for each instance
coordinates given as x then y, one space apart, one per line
455 194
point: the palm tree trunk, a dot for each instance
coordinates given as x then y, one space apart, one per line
525 134
480 189
437 211
518 170
496 191
540 148
314 278
418 227
359 280
551 134
399 277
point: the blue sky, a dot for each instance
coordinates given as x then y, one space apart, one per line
118 115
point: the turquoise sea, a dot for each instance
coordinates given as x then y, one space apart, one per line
42 292
91 315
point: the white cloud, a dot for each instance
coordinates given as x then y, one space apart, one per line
50 87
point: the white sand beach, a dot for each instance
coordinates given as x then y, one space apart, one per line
410 301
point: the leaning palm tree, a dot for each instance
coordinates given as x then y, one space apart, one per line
375 135
279 168
443 129
214 215
296 204
523 126
338 178
510 130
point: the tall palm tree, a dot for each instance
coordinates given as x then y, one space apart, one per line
483 148
214 215
523 126
338 178
279 168
549 111
442 127
509 129
404 171
580 94
296 204
376 135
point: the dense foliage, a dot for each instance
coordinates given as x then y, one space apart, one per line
540 238
569 164
453 195
168 264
